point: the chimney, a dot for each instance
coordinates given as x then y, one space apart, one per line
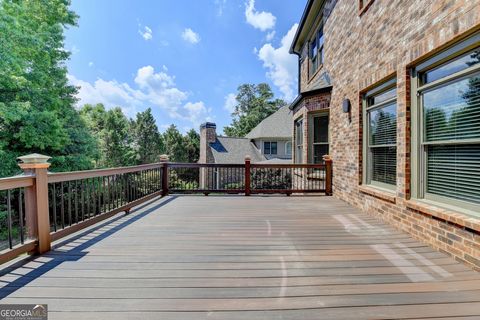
208 134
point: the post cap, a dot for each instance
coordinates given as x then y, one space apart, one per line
34 161
34 158
247 158
327 157
164 158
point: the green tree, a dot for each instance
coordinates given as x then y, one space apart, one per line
254 103
174 144
192 146
116 140
147 140
36 102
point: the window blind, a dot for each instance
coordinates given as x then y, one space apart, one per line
454 171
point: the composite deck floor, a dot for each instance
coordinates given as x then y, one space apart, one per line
195 257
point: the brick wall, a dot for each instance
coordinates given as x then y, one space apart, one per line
360 52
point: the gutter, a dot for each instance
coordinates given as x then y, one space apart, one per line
307 94
300 27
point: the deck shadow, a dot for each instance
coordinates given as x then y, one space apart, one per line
77 252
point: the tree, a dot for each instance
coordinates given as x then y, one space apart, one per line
36 102
148 142
174 144
192 146
254 103
116 140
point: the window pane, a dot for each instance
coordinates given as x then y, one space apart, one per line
451 67
320 129
384 164
320 38
313 49
266 147
273 148
319 150
299 132
452 112
384 96
454 171
288 148
383 125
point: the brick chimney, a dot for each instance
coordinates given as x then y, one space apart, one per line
208 134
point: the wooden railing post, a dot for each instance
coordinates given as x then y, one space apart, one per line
164 162
36 200
328 176
247 176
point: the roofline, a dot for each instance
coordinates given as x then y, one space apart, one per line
306 11
309 94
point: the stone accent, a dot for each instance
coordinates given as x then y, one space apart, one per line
361 51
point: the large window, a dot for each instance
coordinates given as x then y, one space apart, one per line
316 51
299 141
320 137
270 148
380 136
446 127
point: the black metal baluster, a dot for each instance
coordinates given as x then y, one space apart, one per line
76 201
9 219
54 206
82 198
20 215
69 203
62 205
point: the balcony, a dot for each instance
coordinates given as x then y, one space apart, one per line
225 256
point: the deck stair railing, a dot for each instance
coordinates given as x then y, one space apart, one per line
39 207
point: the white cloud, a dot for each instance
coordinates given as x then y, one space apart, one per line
197 112
146 32
90 64
74 50
270 35
281 65
230 102
190 36
156 89
259 20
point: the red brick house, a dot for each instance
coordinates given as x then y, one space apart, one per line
390 90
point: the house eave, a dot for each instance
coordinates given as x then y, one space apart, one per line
307 94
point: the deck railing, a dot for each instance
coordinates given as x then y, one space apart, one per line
39 207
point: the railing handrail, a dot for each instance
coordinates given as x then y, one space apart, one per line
288 165
20 181
77 175
205 165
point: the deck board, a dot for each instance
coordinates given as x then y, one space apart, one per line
232 257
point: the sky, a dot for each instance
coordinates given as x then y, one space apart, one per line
182 58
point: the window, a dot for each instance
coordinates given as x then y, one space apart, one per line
316 51
320 137
299 141
380 136
270 148
446 127
288 148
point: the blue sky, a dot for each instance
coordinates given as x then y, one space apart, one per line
183 58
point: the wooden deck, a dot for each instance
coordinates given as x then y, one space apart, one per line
195 257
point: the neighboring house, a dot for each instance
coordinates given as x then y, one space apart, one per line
269 142
391 91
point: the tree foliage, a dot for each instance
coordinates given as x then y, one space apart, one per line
36 102
254 103
148 143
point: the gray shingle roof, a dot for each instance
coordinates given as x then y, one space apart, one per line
233 150
278 125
